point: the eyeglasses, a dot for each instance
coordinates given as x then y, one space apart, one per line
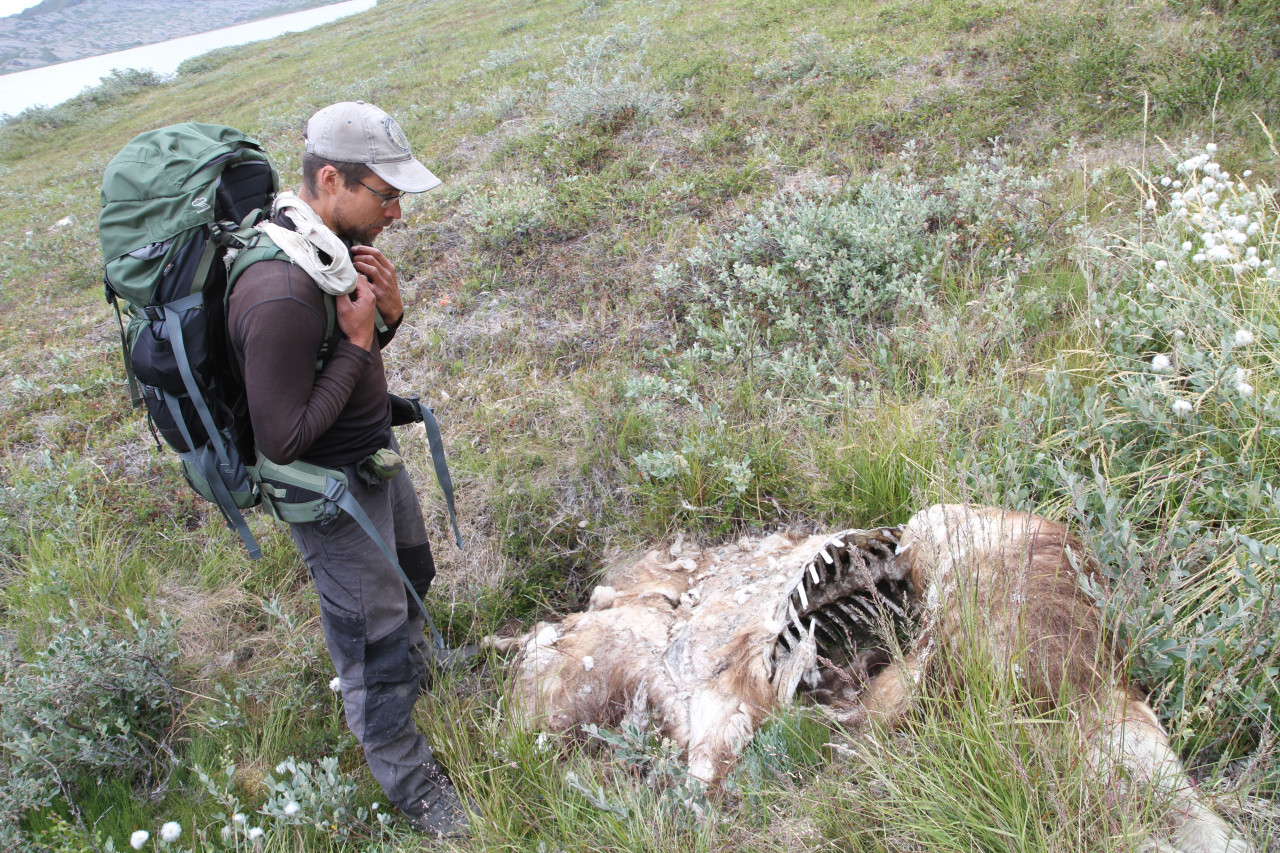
387 200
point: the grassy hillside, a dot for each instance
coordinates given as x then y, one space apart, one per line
708 267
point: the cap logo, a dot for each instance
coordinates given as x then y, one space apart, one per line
395 135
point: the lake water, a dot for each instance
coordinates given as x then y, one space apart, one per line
54 84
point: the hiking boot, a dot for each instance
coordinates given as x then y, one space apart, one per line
442 815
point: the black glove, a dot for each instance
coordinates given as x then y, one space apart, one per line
404 411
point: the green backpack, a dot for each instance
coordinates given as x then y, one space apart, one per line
174 202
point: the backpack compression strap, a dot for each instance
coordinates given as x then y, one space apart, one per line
332 486
428 418
135 393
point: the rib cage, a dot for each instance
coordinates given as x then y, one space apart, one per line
850 593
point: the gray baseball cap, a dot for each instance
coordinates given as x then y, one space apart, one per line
356 132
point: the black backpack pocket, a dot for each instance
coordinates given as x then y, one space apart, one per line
176 322
170 430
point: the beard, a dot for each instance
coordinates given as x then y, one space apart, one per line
355 228
359 235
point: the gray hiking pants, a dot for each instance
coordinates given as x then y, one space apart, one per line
374 631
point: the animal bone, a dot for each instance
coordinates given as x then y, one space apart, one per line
709 675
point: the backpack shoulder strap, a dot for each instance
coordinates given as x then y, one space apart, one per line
259 247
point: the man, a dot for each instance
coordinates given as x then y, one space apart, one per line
331 409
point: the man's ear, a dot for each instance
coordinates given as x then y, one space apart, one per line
329 180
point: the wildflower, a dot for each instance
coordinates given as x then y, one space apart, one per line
1161 266
291 808
138 839
1212 148
255 833
1244 389
1221 254
1186 245
1177 184
1243 337
1182 408
1151 204
239 818
1161 364
1151 288
1166 181
1178 334
170 831
1198 257
375 806
335 684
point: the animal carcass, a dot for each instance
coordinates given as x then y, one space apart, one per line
706 642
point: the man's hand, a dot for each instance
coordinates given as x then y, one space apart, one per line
382 278
355 313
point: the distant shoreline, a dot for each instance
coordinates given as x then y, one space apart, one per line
52 84
56 31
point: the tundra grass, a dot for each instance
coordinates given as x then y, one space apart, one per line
593 403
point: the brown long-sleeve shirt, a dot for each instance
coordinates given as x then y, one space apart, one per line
335 417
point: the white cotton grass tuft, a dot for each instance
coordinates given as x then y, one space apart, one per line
1242 386
335 684
291 808
138 839
170 832
255 833
1243 337
1160 363
1182 408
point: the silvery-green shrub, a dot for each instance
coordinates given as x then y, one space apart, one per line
96 701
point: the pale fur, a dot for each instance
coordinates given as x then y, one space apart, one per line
686 639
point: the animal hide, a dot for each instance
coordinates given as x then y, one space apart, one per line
705 642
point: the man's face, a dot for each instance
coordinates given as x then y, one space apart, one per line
358 212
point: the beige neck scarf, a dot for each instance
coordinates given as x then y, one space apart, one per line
311 245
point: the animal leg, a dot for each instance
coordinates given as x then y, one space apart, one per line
1128 735
887 698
